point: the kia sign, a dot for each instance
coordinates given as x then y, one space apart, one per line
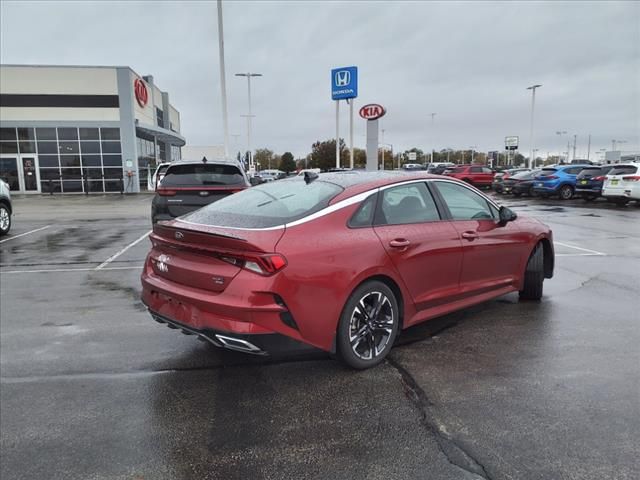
344 83
141 92
372 111
511 143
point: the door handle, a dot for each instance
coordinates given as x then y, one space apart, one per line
470 235
399 243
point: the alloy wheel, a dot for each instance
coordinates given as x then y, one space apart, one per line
4 219
371 325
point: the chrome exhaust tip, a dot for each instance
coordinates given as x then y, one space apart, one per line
239 345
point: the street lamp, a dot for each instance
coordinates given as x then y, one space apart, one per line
560 133
388 145
249 75
472 150
533 104
433 115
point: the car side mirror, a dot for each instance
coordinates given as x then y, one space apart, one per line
507 215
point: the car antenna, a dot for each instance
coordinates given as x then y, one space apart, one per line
310 177
204 159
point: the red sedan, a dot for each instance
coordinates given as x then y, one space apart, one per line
342 262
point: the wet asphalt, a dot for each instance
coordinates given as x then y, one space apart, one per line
92 388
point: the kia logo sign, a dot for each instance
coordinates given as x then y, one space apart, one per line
142 94
372 111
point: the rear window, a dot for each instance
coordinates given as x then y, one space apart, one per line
623 170
525 175
268 205
196 175
589 171
547 171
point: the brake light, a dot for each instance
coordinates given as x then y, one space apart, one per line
165 192
599 179
632 178
551 177
265 265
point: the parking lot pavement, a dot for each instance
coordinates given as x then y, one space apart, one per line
92 388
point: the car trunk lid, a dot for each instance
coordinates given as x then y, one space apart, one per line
207 257
182 200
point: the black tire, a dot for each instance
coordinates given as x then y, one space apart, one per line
363 341
5 219
565 192
534 275
589 198
621 202
532 192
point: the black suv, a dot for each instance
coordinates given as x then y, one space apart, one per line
188 186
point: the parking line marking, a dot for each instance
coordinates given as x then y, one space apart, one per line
116 255
25 233
592 252
63 270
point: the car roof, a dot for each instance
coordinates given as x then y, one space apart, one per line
358 181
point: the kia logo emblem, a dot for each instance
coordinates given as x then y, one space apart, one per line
162 263
141 92
179 235
372 111
342 78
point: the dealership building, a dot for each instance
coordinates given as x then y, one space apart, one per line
75 129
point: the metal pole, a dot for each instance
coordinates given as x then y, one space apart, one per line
249 121
351 132
223 84
337 133
382 143
432 134
533 104
589 148
575 138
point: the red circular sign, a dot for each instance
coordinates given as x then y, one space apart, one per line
142 94
372 111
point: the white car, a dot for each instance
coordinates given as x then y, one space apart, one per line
5 208
157 176
622 183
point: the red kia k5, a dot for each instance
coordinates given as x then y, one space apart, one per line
341 262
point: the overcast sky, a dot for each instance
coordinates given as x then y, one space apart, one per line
470 62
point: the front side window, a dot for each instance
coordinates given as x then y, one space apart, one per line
475 169
406 204
463 203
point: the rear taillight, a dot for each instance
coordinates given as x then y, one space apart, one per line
266 264
599 179
632 178
165 192
552 177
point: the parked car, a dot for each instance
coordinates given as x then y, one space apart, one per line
412 166
622 183
187 186
438 168
6 208
312 170
271 175
158 174
500 177
521 183
339 262
476 175
557 180
590 180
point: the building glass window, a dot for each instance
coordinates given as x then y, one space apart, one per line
110 133
27 147
46 134
69 160
48 161
111 147
90 147
68 148
26 134
162 147
159 117
89 134
68 134
7 134
9 147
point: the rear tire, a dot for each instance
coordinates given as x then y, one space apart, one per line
589 198
621 202
534 275
566 192
368 325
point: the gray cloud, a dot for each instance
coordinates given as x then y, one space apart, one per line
468 61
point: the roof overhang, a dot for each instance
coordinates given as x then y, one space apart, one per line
161 134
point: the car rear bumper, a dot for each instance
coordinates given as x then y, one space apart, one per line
244 310
588 191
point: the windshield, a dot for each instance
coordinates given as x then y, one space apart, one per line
196 175
268 205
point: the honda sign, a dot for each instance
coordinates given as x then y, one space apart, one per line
344 83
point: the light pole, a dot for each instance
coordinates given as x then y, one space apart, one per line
249 75
561 133
472 150
533 105
433 116
388 145
223 82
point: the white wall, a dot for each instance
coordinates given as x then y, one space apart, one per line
196 152
58 80
174 118
19 114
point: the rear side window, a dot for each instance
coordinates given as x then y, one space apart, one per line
364 215
201 175
623 170
268 205
406 204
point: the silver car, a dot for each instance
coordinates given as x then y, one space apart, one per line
5 208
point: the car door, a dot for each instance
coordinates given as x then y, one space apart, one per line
492 252
426 251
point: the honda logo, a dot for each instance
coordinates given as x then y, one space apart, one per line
343 78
